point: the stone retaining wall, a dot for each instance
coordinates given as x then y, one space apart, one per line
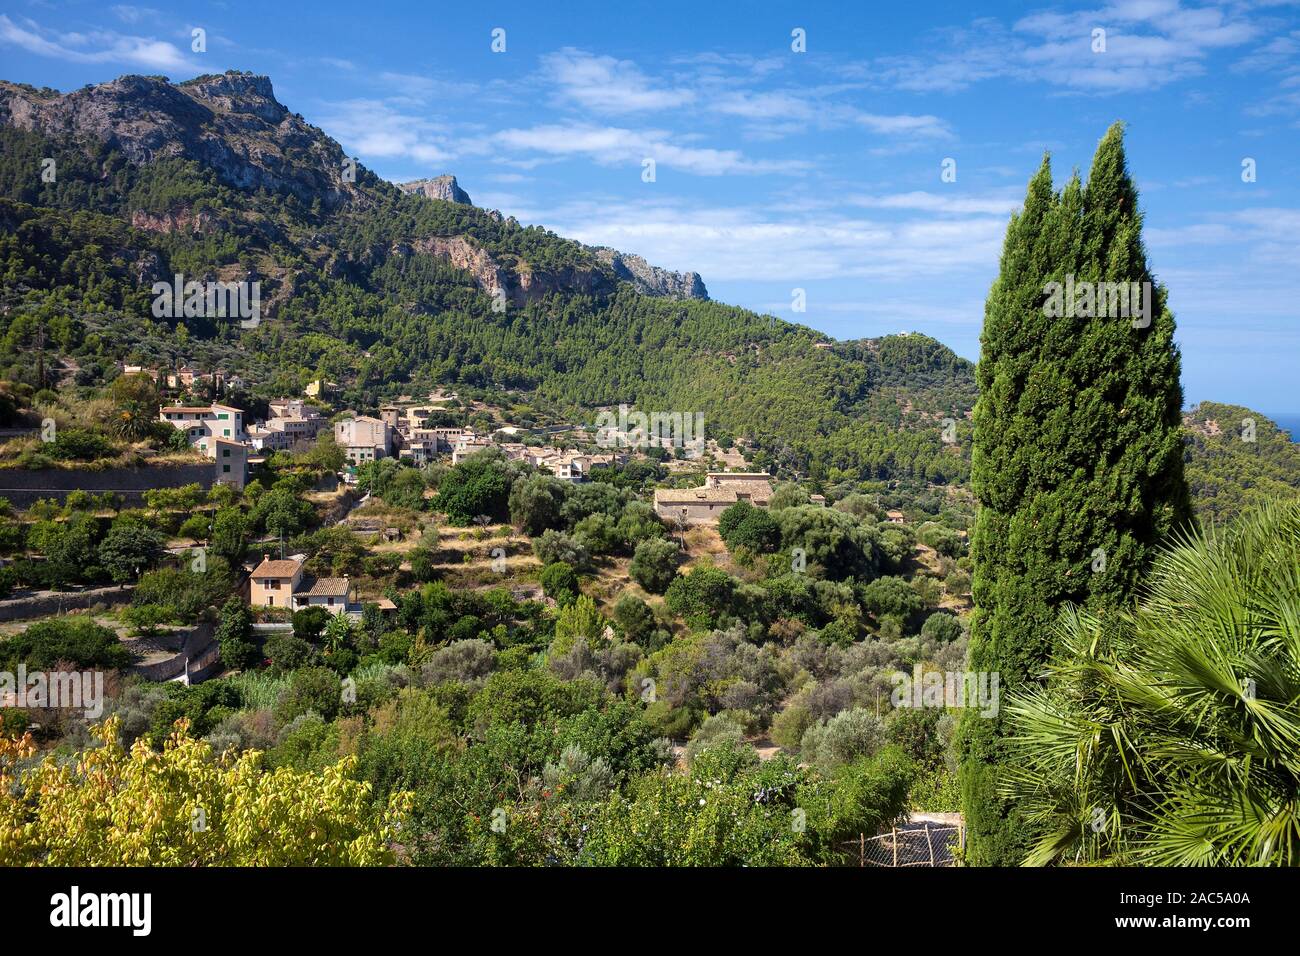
44 603
22 486
198 657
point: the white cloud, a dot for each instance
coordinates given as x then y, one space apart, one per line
773 105
130 14
1002 203
905 312
903 125
752 243
613 145
373 129
720 86
1262 234
413 89
1281 53
1196 234
606 85
98 47
1148 44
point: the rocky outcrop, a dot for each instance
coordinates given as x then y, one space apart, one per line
439 187
148 268
235 92
181 219
231 123
464 255
651 280
647 279
520 282
537 284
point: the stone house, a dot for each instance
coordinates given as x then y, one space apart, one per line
231 462
721 490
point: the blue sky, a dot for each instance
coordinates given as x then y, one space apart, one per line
778 170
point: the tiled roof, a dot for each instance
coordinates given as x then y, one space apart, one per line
690 495
276 569
325 587
730 492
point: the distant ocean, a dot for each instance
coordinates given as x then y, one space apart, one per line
1289 422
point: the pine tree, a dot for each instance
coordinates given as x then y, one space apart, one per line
1077 460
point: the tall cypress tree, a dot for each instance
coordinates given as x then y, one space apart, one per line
1077 461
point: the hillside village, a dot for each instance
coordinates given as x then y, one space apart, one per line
221 433
368 550
401 432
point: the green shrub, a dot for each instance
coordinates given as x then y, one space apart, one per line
77 640
560 582
654 564
844 738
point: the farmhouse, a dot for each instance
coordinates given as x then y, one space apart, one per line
333 594
720 491
272 583
282 584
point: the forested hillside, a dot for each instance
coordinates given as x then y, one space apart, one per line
1238 459
385 292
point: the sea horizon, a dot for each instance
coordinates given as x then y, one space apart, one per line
1290 422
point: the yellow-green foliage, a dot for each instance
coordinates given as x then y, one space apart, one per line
186 806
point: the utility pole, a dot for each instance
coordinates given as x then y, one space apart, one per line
40 357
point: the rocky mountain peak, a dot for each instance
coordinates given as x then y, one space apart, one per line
236 92
229 122
651 280
442 187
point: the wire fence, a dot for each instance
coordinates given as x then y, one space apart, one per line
912 844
